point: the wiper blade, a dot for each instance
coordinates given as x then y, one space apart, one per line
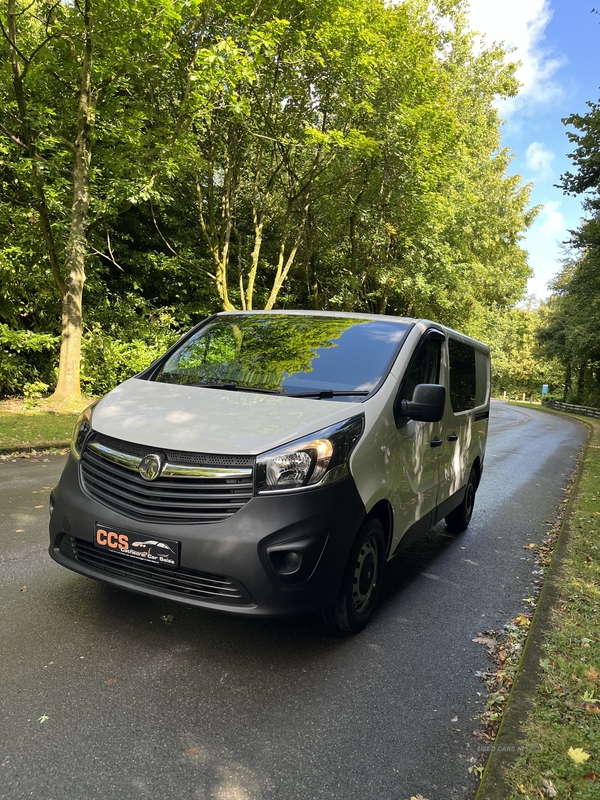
234 387
324 394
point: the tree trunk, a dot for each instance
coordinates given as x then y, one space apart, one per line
284 265
258 233
68 387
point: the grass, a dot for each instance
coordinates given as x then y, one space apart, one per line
565 720
22 427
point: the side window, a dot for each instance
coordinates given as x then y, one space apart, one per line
424 368
463 376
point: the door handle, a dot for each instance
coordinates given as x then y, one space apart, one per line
436 442
453 437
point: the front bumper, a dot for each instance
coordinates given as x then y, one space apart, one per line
240 565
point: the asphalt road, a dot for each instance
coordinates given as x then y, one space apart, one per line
106 694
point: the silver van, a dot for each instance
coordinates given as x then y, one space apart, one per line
270 463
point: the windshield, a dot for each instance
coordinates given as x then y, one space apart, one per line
287 353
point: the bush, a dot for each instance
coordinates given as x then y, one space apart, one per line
108 360
26 358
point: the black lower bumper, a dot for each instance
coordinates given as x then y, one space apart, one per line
278 555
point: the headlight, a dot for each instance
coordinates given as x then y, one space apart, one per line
319 458
82 428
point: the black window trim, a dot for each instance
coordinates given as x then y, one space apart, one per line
432 334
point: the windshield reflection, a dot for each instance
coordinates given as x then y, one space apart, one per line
287 353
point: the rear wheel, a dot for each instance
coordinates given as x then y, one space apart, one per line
354 604
458 520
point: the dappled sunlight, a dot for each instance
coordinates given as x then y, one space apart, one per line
414 468
229 791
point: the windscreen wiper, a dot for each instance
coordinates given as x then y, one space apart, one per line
234 387
325 394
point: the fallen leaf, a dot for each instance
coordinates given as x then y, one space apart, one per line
193 751
531 546
483 640
578 755
23 589
522 621
544 663
575 678
550 790
20 530
418 797
39 506
590 777
591 674
454 719
43 718
110 681
168 619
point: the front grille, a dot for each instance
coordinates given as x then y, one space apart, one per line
180 498
179 582
176 456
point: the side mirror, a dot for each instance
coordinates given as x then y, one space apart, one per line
427 405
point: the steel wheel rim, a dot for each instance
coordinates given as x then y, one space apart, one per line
365 575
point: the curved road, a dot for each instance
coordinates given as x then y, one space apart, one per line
106 694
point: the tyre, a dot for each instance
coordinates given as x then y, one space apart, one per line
458 520
354 604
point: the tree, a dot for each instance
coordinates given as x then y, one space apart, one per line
75 116
572 330
180 157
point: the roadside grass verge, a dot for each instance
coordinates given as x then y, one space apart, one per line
23 427
561 736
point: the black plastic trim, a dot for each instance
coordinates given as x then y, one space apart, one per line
324 521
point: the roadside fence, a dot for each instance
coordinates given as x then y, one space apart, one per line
584 411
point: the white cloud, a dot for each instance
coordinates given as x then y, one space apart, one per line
544 243
539 159
521 24
550 220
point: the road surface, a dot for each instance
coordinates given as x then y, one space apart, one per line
106 694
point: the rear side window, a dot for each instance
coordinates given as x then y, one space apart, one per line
463 377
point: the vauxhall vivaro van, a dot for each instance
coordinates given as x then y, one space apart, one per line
271 462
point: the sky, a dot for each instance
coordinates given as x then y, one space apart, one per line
558 43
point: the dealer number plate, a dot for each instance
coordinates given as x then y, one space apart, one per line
137 546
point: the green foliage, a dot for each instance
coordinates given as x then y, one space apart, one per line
572 329
311 153
23 357
109 357
519 366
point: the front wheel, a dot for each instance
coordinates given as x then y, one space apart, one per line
354 604
458 520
